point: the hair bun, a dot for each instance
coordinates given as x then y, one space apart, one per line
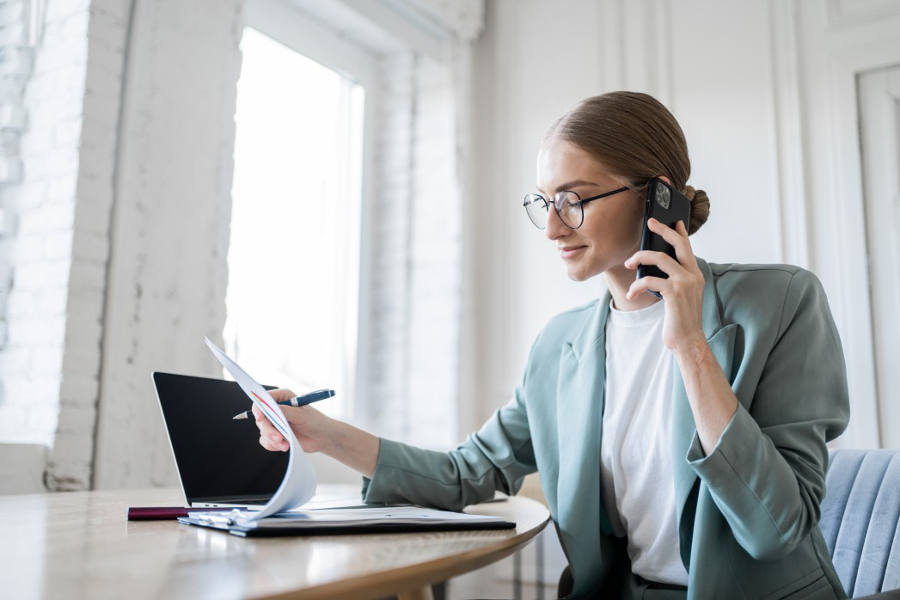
699 208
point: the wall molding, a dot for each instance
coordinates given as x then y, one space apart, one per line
851 13
636 48
790 164
879 118
612 59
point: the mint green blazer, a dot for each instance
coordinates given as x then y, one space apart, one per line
747 513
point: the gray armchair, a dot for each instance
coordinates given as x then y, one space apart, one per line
860 515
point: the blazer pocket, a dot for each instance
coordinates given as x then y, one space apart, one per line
796 589
820 589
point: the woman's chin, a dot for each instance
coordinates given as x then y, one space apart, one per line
578 272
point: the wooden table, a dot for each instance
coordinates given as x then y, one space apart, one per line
80 545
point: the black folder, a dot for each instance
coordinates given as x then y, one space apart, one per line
345 521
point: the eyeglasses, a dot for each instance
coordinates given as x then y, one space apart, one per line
569 206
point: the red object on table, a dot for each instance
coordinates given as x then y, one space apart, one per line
157 513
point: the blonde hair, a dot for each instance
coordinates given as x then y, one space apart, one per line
637 138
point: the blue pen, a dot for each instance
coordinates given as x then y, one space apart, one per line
295 401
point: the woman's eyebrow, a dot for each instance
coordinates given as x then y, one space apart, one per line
571 184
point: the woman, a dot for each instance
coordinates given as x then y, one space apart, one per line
681 443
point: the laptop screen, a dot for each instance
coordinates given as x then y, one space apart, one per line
219 459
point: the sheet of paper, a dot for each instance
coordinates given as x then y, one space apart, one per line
343 516
299 484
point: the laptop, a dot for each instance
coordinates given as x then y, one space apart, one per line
219 460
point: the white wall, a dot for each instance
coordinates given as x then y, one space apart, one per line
762 91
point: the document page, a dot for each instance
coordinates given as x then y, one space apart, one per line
337 517
299 483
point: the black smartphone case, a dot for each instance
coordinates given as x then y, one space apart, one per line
666 205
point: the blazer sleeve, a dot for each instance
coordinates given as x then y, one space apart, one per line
497 457
767 472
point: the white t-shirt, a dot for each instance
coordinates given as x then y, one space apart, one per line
636 448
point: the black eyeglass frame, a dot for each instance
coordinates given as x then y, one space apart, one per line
556 204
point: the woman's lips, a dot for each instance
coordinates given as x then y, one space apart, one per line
570 251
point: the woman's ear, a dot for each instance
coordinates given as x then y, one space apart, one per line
664 178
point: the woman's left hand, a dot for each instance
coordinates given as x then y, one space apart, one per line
682 291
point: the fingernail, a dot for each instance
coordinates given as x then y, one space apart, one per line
274 437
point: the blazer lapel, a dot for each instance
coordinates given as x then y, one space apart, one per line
721 342
582 374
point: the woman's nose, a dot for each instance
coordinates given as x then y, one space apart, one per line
555 227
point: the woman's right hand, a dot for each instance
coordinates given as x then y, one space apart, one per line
317 432
309 425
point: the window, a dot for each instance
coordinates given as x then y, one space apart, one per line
293 261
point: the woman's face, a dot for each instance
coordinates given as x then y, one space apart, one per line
611 230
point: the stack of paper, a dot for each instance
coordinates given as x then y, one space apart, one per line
299 483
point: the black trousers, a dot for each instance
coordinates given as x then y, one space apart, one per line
629 587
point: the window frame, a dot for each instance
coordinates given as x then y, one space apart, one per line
287 24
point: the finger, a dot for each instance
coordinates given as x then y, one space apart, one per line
270 438
691 265
281 394
268 444
267 429
273 446
682 246
648 257
261 419
644 284
275 439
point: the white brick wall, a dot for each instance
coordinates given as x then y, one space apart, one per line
70 462
68 305
168 275
43 209
16 62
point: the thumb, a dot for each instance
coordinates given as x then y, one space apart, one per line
281 394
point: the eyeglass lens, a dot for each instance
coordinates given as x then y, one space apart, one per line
568 208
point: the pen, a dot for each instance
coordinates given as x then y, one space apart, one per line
295 401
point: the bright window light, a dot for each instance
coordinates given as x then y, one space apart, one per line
293 261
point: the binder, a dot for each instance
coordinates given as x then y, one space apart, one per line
392 519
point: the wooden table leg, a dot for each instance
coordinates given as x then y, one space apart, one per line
422 593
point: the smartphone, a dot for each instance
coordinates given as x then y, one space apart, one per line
666 205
